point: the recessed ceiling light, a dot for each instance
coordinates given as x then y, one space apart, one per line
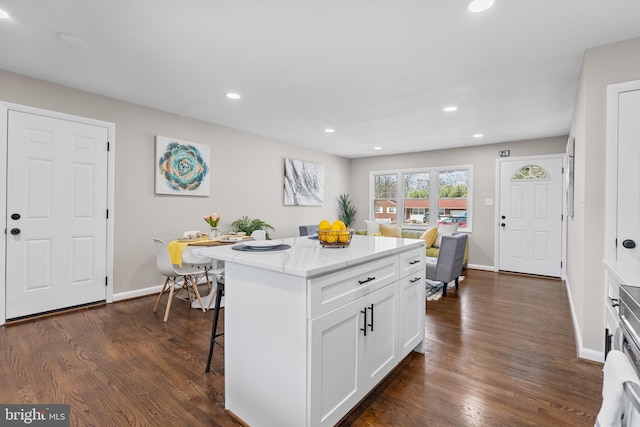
3 14
329 130
450 109
232 95
478 135
377 148
69 38
477 6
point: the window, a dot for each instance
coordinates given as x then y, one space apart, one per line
452 197
447 189
385 192
416 197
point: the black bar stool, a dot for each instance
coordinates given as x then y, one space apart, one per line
216 314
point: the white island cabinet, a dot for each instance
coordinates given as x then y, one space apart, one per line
310 331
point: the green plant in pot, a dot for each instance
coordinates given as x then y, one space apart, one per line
346 210
249 225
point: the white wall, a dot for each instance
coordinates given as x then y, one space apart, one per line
246 173
605 65
482 157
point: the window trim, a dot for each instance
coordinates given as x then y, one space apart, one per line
433 192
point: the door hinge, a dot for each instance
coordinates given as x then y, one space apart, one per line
107 213
560 264
108 146
106 281
615 244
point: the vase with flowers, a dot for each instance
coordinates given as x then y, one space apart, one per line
213 220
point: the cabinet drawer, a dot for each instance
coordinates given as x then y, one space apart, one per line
336 289
412 261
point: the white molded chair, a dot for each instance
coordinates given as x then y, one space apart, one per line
204 263
259 235
189 276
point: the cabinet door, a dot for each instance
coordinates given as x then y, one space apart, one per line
336 342
381 341
411 312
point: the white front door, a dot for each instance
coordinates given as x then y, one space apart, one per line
530 216
56 214
628 235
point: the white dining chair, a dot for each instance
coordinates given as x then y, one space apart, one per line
188 275
259 235
204 263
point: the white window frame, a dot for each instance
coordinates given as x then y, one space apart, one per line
433 193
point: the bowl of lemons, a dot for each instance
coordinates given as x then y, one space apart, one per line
334 235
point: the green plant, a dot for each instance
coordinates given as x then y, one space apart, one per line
249 225
346 210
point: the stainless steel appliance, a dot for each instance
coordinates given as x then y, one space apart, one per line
627 339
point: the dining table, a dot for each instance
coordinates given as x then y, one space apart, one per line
181 249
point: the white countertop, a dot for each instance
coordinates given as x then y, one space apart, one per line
307 258
625 272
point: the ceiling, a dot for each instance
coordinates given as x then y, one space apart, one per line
379 72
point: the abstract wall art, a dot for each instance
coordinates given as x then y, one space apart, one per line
303 183
182 167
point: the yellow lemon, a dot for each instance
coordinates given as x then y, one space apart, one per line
324 225
338 225
331 237
344 236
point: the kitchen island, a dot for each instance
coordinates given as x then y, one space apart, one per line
310 331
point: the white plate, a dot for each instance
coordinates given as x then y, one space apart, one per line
232 239
262 243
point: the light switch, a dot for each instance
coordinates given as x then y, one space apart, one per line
488 202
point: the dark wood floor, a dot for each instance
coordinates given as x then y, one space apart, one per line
500 352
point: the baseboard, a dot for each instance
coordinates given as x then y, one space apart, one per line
481 267
121 296
137 293
583 353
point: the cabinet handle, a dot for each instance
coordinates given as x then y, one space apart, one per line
368 279
414 280
371 324
415 261
613 301
365 321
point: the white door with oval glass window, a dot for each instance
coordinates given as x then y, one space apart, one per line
530 216
56 247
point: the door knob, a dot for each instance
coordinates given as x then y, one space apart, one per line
503 225
503 217
15 216
15 231
629 244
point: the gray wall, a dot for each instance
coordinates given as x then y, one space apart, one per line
246 173
614 63
483 158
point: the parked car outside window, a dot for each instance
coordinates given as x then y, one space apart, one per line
461 221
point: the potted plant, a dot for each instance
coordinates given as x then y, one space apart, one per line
249 225
346 210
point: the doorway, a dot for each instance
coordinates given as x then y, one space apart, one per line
530 215
57 209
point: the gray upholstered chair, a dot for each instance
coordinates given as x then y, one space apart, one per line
448 265
308 230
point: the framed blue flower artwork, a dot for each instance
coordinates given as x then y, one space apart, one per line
182 167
